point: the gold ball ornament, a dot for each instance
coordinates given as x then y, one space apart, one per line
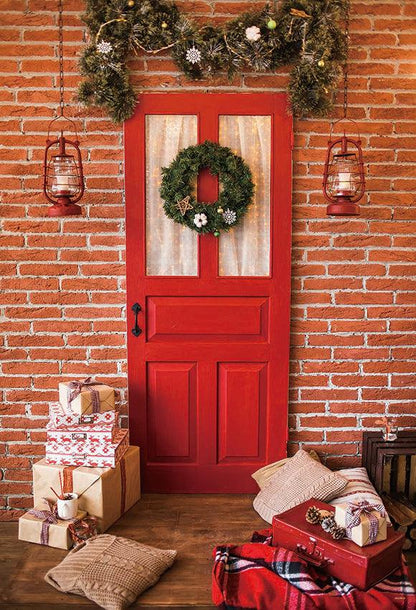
271 24
130 3
164 25
321 63
220 210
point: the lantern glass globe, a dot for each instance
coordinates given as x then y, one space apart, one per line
344 176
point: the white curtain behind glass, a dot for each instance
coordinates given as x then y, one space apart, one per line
171 249
245 250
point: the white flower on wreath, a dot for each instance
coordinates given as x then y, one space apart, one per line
104 47
229 216
200 220
193 55
253 33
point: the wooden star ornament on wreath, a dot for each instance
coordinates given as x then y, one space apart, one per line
184 205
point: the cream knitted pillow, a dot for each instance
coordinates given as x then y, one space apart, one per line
300 479
109 570
263 475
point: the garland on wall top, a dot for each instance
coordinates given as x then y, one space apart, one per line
303 33
177 188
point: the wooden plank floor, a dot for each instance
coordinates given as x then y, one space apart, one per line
191 524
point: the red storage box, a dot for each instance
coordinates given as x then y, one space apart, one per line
362 567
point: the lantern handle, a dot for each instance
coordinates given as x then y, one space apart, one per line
62 116
340 121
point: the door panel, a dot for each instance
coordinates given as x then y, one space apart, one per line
207 318
208 377
172 400
242 406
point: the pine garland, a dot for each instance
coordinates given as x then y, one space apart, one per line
236 195
303 33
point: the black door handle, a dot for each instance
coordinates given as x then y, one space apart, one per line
136 330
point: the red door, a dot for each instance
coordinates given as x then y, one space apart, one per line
208 374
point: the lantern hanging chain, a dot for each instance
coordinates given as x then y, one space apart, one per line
61 58
347 41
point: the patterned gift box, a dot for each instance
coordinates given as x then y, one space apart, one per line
93 435
59 417
86 453
365 523
105 493
41 526
86 396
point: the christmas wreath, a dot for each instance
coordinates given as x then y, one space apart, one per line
235 196
303 33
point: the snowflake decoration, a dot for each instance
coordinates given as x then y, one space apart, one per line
229 216
193 55
200 220
104 47
253 34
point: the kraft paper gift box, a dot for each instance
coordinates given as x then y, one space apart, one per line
105 493
39 531
361 533
97 453
92 397
62 418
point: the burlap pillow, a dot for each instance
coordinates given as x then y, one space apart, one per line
300 479
109 570
262 475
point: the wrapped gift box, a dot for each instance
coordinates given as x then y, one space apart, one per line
94 434
92 397
360 534
105 493
83 452
362 567
59 417
34 529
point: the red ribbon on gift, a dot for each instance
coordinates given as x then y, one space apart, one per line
74 389
363 507
82 529
48 517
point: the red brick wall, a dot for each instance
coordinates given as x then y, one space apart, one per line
62 300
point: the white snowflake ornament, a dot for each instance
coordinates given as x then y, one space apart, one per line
193 55
104 47
200 220
253 33
229 216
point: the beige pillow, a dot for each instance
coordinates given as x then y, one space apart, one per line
109 570
262 475
300 479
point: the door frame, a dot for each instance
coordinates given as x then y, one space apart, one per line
281 160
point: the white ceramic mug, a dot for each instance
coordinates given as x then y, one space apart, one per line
67 509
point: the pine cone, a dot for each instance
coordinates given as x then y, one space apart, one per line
313 515
338 532
328 524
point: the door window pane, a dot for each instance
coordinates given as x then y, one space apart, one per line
171 249
245 250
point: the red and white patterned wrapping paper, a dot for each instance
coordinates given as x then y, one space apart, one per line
85 453
61 417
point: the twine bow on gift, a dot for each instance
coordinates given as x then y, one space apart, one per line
363 507
74 389
48 517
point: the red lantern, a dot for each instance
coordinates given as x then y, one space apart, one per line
63 178
344 182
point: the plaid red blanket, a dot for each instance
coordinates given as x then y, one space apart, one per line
257 576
